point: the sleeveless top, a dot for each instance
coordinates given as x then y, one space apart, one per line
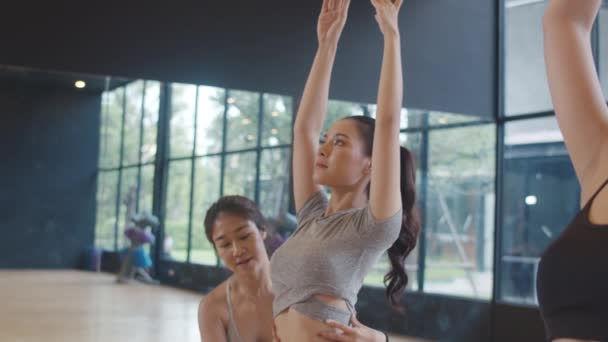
330 256
572 280
233 333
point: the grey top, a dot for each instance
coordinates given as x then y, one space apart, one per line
329 255
233 333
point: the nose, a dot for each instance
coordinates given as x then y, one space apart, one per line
323 150
237 249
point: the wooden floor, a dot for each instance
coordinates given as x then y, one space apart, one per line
73 306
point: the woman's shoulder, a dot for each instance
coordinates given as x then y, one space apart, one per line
214 303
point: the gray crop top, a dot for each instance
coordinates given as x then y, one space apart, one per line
328 255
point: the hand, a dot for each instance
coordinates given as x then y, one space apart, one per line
387 12
275 336
331 20
358 333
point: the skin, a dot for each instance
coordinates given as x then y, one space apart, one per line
357 333
338 161
577 97
240 245
238 240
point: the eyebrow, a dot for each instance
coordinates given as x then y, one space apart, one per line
337 135
221 237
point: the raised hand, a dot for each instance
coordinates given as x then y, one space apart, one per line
331 21
387 12
358 332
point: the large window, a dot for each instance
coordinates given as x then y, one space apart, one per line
455 167
223 142
459 222
541 196
526 88
226 142
540 192
129 119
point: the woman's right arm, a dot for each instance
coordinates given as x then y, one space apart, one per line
313 105
210 323
576 92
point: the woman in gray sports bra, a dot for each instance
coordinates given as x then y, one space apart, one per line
318 272
240 308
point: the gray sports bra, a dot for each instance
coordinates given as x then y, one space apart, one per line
233 333
330 256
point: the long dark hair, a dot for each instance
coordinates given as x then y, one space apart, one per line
237 205
396 279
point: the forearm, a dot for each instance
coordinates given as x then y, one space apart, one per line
313 105
385 198
390 89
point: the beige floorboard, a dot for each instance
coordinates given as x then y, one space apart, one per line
74 306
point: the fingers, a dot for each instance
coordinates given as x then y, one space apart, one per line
333 336
325 7
332 5
355 322
274 333
398 4
340 326
345 5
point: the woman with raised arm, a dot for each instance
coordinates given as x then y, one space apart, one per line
240 308
572 279
318 272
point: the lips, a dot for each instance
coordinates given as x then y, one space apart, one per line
243 262
321 165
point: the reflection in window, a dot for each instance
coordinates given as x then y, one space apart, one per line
412 141
137 104
183 107
210 120
541 196
526 89
277 120
459 228
146 189
337 110
243 116
239 174
128 192
150 123
178 208
133 117
274 182
110 130
106 209
206 192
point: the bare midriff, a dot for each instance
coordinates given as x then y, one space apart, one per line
294 326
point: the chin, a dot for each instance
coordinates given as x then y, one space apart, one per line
319 180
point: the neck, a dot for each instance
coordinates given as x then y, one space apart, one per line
256 283
343 200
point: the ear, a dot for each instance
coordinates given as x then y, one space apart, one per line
264 234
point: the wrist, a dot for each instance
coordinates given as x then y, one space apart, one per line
327 46
327 49
392 38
